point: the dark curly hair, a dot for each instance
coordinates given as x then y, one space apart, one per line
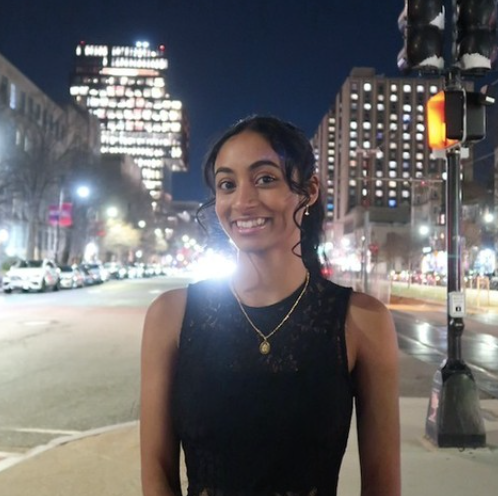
296 153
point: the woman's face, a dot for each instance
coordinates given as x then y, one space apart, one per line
254 203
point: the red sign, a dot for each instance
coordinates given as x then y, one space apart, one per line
64 218
374 248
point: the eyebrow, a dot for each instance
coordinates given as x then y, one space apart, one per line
253 166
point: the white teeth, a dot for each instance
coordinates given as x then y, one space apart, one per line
247 224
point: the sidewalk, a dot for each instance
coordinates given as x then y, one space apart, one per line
106 463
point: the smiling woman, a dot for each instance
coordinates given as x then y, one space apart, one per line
255 374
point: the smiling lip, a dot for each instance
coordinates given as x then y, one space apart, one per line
250 225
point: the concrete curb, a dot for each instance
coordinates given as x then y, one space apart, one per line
60 441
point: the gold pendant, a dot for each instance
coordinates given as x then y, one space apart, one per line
264 348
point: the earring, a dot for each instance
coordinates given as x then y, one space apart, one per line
307 210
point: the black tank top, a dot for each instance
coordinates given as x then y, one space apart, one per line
263 425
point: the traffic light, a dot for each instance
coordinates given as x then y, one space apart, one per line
456 117
476 35
422 25
442 108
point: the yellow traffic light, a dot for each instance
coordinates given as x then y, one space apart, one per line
436 123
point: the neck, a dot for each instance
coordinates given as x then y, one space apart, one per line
259 281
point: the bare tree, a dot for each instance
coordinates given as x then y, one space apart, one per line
44 156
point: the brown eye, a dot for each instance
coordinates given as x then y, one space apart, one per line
266 179
226 185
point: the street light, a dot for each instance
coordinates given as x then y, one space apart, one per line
423 230
488 217
112 212
83 191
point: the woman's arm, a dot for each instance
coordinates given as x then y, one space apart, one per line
158 444
377 401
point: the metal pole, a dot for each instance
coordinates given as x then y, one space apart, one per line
58 226
366 247
454 418
453 203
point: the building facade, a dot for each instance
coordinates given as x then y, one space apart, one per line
126 88
374 159
41 142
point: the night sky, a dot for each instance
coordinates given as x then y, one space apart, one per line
227 58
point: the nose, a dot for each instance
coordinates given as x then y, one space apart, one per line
246 196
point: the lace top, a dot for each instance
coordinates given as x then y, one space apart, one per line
261 425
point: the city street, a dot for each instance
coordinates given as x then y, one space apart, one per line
69 360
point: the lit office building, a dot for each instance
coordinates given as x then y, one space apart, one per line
323 143
125 87
373 145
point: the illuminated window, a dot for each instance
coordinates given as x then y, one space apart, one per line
433 89
392 203
393 98
394 87
354 96
380 107
367 125
405 193
407 88
367 87
420 88
407 107
367 106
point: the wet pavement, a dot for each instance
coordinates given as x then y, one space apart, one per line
422 334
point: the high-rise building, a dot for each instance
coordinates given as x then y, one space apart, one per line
126 88
372 142
380 178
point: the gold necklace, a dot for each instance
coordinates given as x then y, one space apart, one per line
264 347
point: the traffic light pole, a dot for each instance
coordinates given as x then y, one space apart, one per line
454 418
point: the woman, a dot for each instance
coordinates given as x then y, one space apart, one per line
256 375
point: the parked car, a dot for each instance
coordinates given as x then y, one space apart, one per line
88 279
97 271
71 277
32 275
115 270
134 270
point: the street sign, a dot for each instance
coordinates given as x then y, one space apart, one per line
63 218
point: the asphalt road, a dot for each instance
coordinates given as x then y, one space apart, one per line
69 361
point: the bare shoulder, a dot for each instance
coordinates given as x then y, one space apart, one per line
364 307
371 326
164 317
